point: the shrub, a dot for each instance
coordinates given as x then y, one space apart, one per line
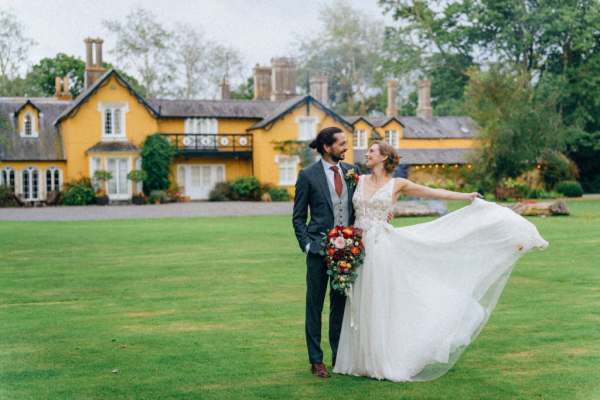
79 193
569 188
539 193
157 155
7 198
246 188
159 195
555 167
279 194
222 192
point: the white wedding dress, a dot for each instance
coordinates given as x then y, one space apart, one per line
425 291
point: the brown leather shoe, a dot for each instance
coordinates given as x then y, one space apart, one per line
319 370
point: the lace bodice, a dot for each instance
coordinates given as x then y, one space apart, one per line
375 210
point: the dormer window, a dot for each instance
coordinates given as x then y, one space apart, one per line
391 138
113 120
29 125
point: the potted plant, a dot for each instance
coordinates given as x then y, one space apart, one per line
101 195
137 175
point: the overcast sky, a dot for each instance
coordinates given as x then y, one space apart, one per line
260 29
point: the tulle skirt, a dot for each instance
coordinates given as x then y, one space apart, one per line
424 292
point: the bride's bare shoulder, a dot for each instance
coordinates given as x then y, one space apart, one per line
400 183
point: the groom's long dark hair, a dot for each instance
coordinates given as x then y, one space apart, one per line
325 137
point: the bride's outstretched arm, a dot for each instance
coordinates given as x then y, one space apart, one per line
404 186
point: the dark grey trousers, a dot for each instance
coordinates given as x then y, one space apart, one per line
316 287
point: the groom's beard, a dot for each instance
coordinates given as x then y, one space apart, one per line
336 157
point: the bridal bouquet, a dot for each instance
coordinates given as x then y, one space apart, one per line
344 252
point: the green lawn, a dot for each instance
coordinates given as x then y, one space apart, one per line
214 309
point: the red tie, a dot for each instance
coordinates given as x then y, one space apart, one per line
337 180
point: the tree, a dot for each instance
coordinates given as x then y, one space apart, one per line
244 91
145 46
42 76
203 64
225 62
346 48
157 155
517 126
192 57
14 45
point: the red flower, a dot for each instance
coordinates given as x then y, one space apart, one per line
332 233
347 232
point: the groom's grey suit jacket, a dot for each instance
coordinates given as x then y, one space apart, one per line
313 192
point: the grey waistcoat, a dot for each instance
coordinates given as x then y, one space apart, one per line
341 214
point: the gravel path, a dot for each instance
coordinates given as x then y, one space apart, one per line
173 210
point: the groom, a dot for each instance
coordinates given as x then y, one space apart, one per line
322 189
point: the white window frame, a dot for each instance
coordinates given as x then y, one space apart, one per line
360 138
105 108
201 125
28 191
285 161
391 138
120 196
307 127
5 178
53 186
93 168
34 131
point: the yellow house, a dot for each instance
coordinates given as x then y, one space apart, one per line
427 145
50 141
45 142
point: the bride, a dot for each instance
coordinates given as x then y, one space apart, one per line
424 292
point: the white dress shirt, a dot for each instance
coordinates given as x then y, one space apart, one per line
330 177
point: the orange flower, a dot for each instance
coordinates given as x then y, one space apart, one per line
330 252
347 232
332 233
355 251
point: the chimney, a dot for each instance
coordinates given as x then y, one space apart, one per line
283 78
424 109
262 83
99 52
93 69
392 109
318 88
61 88
225 92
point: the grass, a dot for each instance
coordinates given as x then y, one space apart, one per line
205 308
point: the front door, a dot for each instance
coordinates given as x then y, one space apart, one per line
118 186
199 179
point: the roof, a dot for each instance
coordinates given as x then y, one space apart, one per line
86 94
290 104
424 128
47 146
375 121
438 127
434 156
112 147
256 109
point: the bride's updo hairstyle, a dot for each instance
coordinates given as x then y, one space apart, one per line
393 159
